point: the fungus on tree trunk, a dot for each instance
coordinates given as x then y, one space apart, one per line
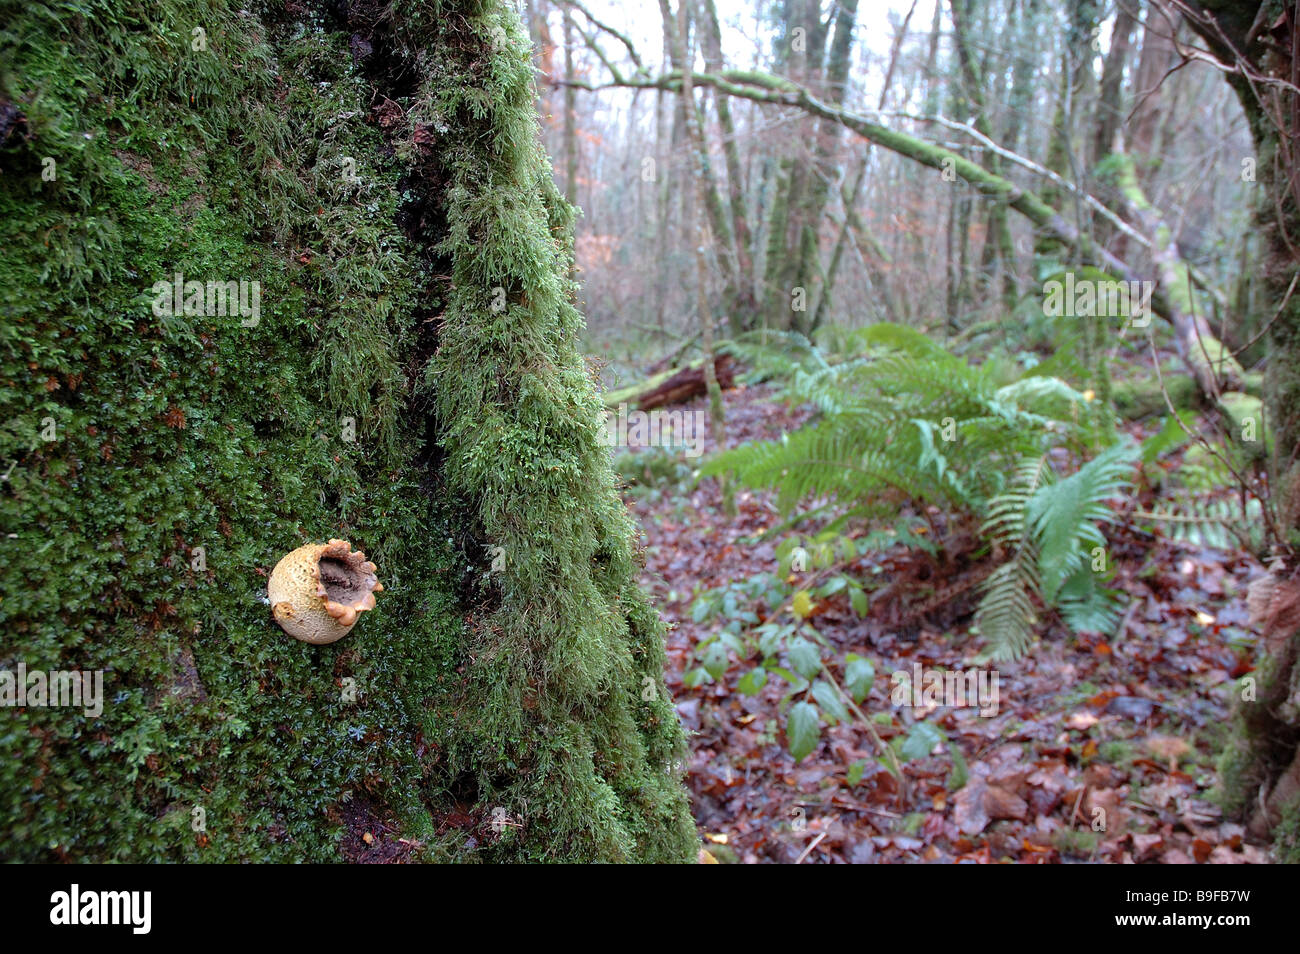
319 591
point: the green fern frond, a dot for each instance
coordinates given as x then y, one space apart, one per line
1006 613
1087 607
1006 523
1064 516
1220 523
1036 392
903 418
1049 526
779 354
902 338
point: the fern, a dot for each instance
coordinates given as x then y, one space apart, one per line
1006 613
1052 527
1086 606
1065 515
1220 523
1006 523
913 419
904 421
775 354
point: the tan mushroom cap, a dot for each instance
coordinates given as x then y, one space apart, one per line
319 591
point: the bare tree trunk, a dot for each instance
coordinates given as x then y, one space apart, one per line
692 119
998 244
743 308
570 120
849 196
717 417
1075 68
1158 57
1110 107
665 143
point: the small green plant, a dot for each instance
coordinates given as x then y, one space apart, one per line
765 622
1194 508
1049 527
1076 842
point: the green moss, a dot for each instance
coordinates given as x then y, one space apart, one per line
563 718
174 433
1238 777
1257 743
1076 842
1214 356
1117 752
1248 424
1136 399
1286 842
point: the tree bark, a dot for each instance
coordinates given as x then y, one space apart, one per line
742 312
413 382
695 223
1260 766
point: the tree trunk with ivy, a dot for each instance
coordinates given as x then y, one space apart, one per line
1260 766
412 382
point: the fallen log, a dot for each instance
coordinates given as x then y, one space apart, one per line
675 387
629 393
1138 399
1209 360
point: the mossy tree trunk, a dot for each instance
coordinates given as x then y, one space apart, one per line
998 254
412 382
809 273
1261 764
1212 364
791 272
1108 117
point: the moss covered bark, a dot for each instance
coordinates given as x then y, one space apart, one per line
412 383
562 717
1260 766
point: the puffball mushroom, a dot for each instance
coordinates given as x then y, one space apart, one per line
318 592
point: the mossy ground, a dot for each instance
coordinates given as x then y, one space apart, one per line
272 155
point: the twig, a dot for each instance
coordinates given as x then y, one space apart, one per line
1286 298
621 37
815 842
1087 198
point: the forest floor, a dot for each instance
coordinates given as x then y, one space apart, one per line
1101 750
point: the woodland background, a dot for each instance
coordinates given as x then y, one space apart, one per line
829 232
